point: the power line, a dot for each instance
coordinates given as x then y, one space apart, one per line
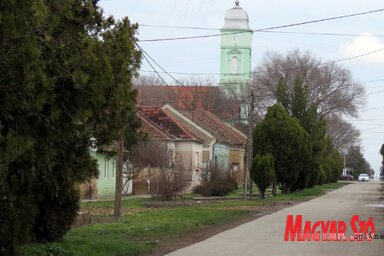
366 120
164 71
267 31
376 108
374 81
321 33
260 30
247 73
177 27
157 73
355 57
145 54
188 73
375 92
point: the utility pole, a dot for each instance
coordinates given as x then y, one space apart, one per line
119 176
249 153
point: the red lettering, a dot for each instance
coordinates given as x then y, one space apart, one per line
332 232
307 232
370 226
341 229
316 234
355 231
324 229
293 229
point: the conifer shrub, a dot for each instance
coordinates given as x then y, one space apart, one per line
262 172
216 182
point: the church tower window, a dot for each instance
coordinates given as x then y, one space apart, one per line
234 65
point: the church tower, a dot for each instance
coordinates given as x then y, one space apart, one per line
236 48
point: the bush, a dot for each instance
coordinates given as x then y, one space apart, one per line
53 222
262 172
322 177
171 182
17 210
45 250
216 182
203 189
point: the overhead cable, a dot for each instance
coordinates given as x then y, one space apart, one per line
263 29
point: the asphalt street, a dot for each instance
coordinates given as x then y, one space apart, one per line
265 236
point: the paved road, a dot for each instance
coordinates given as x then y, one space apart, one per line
265 236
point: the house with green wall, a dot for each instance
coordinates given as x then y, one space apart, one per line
104 185
107 172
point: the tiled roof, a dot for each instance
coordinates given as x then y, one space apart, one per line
166 124
152 129
216 127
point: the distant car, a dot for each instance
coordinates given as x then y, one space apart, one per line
363 177
346 177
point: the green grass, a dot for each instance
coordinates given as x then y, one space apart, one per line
143 229
311 192
138 233
131 203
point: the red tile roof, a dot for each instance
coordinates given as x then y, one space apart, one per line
152 129
220 130
166 124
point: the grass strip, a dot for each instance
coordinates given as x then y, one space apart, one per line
142 229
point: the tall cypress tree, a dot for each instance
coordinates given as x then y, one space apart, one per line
65 76
281 135
298 105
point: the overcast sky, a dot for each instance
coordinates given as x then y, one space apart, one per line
202 56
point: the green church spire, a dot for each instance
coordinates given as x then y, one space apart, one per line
236 48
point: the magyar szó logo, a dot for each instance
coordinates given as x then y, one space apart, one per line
330 230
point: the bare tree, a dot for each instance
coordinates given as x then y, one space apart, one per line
144 80
188 94
173 180
169 174
331 87
343 134
198 81
147 153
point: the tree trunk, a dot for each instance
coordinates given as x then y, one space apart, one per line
274 188
249 155
119 176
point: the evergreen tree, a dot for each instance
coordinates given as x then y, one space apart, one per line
282 136
65 75
262 172
298 105
356 162
332 164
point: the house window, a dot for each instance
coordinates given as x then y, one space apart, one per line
113 169
105 169
197 159
234 65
